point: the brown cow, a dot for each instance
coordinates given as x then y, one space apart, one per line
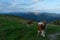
29 22
41 28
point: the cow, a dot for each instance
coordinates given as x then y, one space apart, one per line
41 28
29 22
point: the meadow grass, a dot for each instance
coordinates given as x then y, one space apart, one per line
15 28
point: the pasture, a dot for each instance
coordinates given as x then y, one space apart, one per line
15 28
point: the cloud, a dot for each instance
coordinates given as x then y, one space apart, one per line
16 5
28 5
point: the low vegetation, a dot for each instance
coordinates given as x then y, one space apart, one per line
15 28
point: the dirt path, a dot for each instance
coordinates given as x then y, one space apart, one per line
53 36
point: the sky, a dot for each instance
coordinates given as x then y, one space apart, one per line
52 6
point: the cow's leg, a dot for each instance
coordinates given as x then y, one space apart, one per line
43 33
38 33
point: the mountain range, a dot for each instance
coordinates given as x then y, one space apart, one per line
39 17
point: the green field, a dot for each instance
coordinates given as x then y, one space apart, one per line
15 28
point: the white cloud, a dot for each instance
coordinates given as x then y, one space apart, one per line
20 5
27 5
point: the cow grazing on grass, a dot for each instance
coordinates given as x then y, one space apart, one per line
41 28
30 22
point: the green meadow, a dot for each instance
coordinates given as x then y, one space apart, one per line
15 28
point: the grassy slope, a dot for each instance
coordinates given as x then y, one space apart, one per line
13 28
